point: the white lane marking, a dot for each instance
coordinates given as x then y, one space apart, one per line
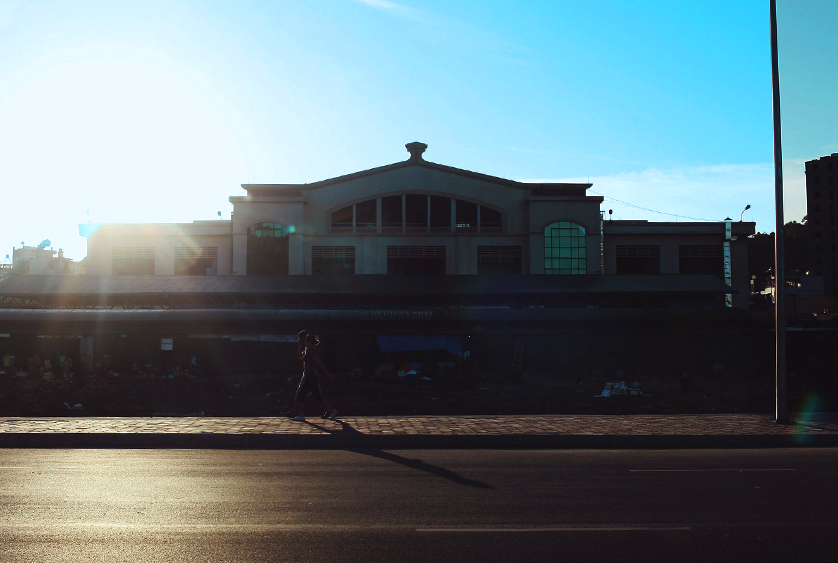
256 527
701 470
562 529
52 467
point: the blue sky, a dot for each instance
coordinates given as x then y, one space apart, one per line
158 111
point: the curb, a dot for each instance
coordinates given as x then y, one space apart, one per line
356 440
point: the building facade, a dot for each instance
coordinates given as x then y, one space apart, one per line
42 261
821 189
413 248
416 218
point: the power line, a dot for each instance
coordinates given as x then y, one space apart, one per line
650 210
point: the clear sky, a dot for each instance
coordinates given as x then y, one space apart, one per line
158 111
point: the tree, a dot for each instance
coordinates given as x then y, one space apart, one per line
761 252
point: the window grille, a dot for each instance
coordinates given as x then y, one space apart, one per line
498 254
196 252
334 252
638 251
564 248
132 260
700 251
415 251
132 252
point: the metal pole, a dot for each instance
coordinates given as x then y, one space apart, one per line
781 404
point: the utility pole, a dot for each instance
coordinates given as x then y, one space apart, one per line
781 402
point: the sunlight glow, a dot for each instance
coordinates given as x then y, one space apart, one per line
126 140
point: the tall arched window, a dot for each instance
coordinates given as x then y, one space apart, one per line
267 249
564 248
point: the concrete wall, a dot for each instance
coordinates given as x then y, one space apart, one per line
669 236
164 239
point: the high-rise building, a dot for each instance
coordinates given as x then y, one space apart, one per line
821 187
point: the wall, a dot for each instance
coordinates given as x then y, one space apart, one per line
163 238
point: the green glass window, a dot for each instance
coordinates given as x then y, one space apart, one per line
564 248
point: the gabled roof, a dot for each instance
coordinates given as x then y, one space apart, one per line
417 160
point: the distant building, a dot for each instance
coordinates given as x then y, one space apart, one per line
821 187
41 261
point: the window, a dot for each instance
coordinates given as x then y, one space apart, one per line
498 259
132 261
638 259
416 213
440 214
366 217
564 249
416 260
201 261
342 220
701 259
491 221
466 216
267 249
391 214
333 260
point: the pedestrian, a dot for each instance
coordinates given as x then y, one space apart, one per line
310 383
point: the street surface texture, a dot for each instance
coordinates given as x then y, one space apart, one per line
408 505
707 424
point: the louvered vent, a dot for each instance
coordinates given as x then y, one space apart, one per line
415 252
700 251
132 252
199 252
333 252
638 251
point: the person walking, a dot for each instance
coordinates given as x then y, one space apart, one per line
310 383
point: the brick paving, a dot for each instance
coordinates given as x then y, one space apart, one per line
462 426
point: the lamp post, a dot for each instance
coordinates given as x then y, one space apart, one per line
781 400
747 207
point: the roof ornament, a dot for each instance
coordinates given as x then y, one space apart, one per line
416 149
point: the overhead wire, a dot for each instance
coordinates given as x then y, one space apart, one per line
650 210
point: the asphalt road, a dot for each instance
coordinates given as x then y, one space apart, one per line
401 506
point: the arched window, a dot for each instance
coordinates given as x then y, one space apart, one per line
417 214
267 249
564 248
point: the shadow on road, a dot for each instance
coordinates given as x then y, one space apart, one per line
407 462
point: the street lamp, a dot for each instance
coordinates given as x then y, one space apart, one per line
747 207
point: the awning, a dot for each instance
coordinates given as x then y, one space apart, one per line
419 342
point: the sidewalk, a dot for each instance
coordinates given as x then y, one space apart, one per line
555 431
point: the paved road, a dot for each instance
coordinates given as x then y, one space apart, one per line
440 505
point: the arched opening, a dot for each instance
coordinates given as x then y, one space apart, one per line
416 214
564 248
267 249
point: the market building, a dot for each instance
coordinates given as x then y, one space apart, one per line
411 248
